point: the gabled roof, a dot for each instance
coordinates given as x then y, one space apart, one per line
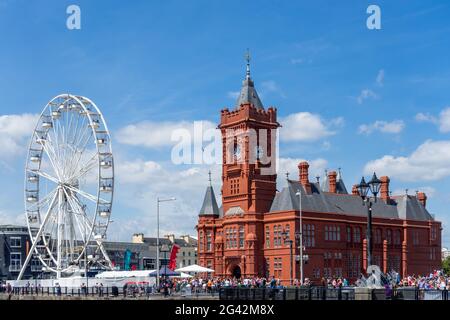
403 207
209 206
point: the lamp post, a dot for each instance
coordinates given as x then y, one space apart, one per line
374 186
300 234
158 201
289 241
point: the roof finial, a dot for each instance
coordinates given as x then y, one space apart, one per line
287 175
209 174
247 58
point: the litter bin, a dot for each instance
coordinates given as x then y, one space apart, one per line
115 291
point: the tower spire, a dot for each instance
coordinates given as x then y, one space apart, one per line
209 178
247 58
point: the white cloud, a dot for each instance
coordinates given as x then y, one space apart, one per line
442 121
366 94
428 162
426 117
155 134
307 127
15 130
380 78
290 165
429 191
395 126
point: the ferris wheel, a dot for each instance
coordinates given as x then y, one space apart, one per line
69 184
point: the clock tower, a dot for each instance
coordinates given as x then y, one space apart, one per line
249 136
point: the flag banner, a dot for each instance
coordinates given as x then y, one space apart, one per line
173 257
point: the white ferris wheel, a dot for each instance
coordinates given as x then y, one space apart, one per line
69 184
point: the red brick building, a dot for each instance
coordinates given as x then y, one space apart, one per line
244 237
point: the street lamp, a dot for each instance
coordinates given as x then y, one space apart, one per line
374 187
158 201
300 234
289 241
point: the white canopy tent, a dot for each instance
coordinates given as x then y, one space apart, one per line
194 268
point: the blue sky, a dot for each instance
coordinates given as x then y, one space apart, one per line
155 65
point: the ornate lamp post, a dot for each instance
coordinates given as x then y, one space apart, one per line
158 201
374 186
289 241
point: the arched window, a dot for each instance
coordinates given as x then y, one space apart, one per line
389 236
356 234
241 237
201 241
397 237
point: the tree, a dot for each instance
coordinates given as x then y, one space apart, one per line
446 265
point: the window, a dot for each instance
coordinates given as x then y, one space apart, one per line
15 261
288 233
433 232
15 242
208 241
349 234
397 237
200 238
332 233
309 235
356 234
241 237
389 236
267 268
36 265
267 237
415 237
378 237
433 254
277 267
277 236
353 265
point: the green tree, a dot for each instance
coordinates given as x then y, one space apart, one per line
446 266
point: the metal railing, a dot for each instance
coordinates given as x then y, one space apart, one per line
325 293
227 293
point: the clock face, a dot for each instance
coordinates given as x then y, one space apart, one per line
237 151
259 151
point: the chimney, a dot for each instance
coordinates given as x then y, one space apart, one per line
422 197
332 181
171 237
304 175
384 189
138 238
355 190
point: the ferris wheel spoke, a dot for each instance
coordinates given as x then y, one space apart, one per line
88 195
44 175
78 213
41 202
86 167
52 157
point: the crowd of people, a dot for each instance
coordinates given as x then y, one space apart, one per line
210 285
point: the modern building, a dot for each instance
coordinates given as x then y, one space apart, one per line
14 247
445 253
247 234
